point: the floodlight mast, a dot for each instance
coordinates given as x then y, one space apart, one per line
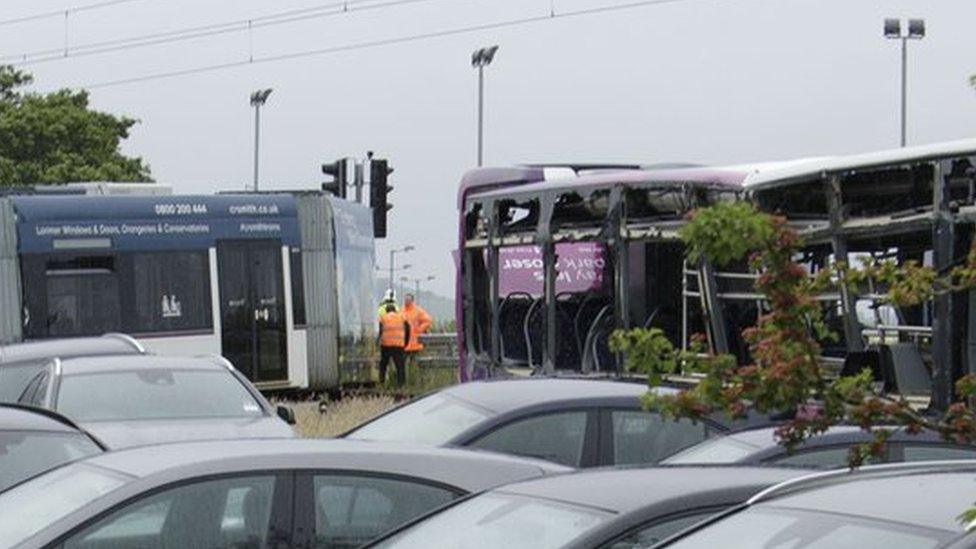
258 99
480 59
893 31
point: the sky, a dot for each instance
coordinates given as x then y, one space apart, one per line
703 81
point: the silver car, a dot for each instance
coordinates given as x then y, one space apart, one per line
133 400
247 493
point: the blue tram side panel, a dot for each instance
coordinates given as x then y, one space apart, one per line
223 274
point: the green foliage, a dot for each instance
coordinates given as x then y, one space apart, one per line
57 138
646 350
725 232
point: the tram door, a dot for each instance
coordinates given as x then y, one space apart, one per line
252 308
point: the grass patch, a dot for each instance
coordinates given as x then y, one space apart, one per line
339 416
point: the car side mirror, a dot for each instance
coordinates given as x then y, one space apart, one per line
286 414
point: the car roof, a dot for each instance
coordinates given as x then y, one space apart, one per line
467 469
99 364
764 438
623 490
108 344
505 395
16 417
929 495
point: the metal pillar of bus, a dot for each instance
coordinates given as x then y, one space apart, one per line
494 243
838 241
617 226
712 308
943 247
544 238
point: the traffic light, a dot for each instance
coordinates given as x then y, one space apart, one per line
340 174
379 190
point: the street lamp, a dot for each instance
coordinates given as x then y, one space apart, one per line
258 98
418 281
393 253
892 31
480 59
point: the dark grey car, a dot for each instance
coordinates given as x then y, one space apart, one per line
576 422
896 506
247 493
144 399
35 440
20 362
609 508
825 451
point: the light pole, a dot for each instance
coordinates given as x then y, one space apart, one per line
892 31
258 98
480 59
417 282
393 253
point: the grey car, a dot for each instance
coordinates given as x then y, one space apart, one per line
576 422
895 506
247 493
626 508
35 440
825 451
20 362
145 399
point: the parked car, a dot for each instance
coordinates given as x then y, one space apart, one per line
247 493
622 508
576 422
35 440
19 362
826 451
895 506
144 399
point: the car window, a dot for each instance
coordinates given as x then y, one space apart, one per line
24 454
821 458
935 452
231 512
155 394
434 419
556 437
643 437
774 528
14 379
727 449
35 391
648 536
499 520
352 510
30 507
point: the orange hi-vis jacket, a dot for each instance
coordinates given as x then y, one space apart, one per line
419 322
393 330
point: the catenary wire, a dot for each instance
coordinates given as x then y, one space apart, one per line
384 42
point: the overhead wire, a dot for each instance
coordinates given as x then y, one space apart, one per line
369 44
201 31
60 13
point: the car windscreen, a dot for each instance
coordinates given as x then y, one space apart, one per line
771 527
24 454
498 519
718 450
155 394
435 419
15 377
28 508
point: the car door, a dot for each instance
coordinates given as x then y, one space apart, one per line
346 509
252 510
630 436
569 436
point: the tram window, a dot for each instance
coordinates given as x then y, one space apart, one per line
297 288
82 296
170 291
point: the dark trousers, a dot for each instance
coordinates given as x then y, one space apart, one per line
395 353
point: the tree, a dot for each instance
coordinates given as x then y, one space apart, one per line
57 138
784 377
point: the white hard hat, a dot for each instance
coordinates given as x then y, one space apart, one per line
389 295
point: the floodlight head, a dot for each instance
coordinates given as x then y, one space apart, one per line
490 54
260 96
409 248
916 28
483 57
892 28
